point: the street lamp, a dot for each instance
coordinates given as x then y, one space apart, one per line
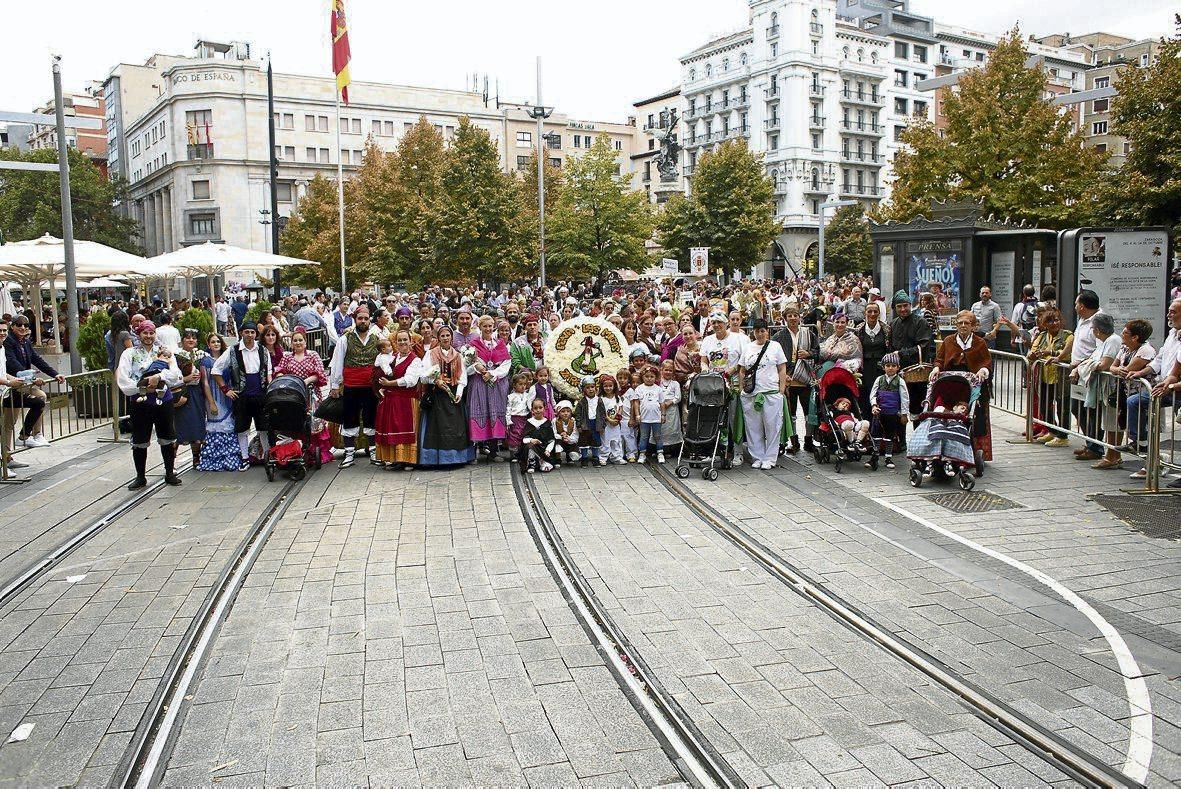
540 113
828 203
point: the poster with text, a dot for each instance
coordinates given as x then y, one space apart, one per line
699 261
1003 265
1129 270
936 267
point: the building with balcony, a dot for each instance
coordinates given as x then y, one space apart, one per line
91 143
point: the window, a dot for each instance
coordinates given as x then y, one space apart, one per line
773 142
555 163
283 192
554 141
920 108
202 224
979 57
524 139
311 153
774 49
651 121
742 60
725 64
289 153
1102 82
1101 105
920 54
522 162
1099 127
898 133
900 78
816 141
1102 147
651 144
901 50
388 127
709 103
742 94
709 70
350 125
201 190
278 151
309 123
288 121
919 77
725 98
692 107
375 128
619 145
815 178
900 106
1144 60
322 123
692 74
578 142
345 156
199 129
135 149
324 158
586 141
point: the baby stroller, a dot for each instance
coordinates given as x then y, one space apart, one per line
941 445
286 409
708 412
831 443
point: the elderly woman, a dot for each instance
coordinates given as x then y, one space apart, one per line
1098 419
397 409
874 337
965 351
190 404
842 346
149 412
279 321
487 390
1051 346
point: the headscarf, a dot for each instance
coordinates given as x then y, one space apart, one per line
144 326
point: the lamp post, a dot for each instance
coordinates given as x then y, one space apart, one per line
540 112
272 174
828 203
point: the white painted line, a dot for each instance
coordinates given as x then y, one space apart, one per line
1140 707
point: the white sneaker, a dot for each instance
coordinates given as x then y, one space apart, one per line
644 457
602 461
768 465
619 461
37 440
659 457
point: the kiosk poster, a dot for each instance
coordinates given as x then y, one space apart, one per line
936 267
1129 271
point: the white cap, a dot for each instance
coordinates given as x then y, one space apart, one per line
565 404
572 301
875 291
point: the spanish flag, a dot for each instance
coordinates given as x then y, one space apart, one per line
340 49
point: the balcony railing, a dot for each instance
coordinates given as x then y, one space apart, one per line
816 91
859 189
780 186
860 97
771 93
861 127
815 189
946 59
816 122
816 28
688 170
772 31
771 124
858 157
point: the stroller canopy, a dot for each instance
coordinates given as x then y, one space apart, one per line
287 387
836 383
708 389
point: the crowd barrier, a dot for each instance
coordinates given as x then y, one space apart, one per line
318 341
83 402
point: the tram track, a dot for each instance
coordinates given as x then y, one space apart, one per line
37 569
146 757
1022 729
694 756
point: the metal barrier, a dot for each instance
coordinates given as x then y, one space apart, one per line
1160 423
318 341
1010 384
84 402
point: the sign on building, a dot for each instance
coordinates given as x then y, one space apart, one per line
699 261
1129 270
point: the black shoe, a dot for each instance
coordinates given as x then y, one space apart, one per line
1175 483
809 445
172 479
244 465
583 462
137 483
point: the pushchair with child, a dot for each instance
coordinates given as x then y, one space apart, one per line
834 385
941 445
707 414
286 409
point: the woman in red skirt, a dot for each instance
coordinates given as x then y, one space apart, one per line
397 408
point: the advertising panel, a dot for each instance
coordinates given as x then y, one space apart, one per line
1129 270
936 267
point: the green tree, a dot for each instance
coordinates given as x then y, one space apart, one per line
415 187
731 210
31 206
598 223
1005 145
527 192
1147 111
847 245
478 216
313 234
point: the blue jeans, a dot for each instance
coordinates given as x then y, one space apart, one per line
1138 413
650 432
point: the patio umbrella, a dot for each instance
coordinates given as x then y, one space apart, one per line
210 259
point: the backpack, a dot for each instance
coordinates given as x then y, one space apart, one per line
1028 316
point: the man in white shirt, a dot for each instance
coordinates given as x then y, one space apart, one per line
221 314
763 361
1156 371
167 334
243 373
988 316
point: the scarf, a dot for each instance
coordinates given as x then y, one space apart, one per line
449 363
491 357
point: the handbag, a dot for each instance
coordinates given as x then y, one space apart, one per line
802 372
748 383
331 409
427 399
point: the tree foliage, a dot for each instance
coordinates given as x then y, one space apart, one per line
1005 145
31 206
731 210
847 245
478 214
1147 111
527 191
598 224
312 233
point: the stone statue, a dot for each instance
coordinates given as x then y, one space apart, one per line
670 151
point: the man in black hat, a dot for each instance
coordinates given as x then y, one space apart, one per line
911 337
249 372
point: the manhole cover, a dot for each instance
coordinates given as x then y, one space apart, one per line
972 501
223 489
1158 516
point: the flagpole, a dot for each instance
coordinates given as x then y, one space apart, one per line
340 194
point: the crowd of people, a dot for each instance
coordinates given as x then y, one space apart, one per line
449 376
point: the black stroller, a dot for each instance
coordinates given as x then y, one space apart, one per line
286 409
837 383
708 413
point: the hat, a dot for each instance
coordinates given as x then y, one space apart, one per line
588 380
565 404
404 310
191 332
875 291
531 318
145 326
572 301
892 358
717 316
899 298
759 323
246 326
637 352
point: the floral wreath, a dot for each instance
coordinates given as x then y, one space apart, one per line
583 346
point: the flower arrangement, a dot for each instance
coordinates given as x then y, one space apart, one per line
583 346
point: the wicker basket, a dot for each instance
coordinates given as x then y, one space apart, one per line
918 373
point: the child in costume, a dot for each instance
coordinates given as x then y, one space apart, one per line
890 402
855 430
537 444
565 433
591 417
612 447
161 394
648 413
543 389
518 411
627 427
384 363
670 430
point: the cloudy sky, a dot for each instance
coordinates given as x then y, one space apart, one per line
598 57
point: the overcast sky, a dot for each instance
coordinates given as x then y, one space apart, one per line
598 57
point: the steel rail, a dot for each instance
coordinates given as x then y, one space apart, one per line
685 744
1039 740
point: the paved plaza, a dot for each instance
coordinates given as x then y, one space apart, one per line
404 628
